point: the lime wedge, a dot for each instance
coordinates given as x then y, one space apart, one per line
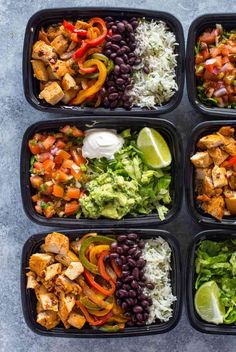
156 152
207 303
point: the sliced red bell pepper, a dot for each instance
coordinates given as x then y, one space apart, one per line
108 292
231 161
81 51
101 266
70 27
90 318
116 268
101 38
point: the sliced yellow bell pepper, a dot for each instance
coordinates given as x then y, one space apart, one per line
95 251
84 94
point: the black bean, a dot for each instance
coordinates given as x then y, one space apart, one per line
126 48
139 317
114 256
119 302
130 323
123 258
113 56
114 96
134 24
111 89
132 55
110 83
133 19
132 37
138 309
115 47
127 314
117 70
125 22
114 103
125 76
130 301
150 286
133 46
132 236
108 52
126 287
120 52
122 42
134 284
135 273
139 323
131 60
132 262
137 254
124 68
137 61
145 316
114 29
125 267
132 250
119 61
106 102
123 293
141 263
120 81
118 284
121 27
113 246
125 273
118 261
145 303
142 284
108 19
109 25
108 45
124 305
125 58
116 38
141 244
121 238
129 27
146 69
129 86
125 248
132 293
149 300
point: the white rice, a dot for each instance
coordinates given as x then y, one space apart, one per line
157 254
156 47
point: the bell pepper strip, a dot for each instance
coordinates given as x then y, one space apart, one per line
95 251
93 296
117 310
85 244
71 28
101 38
99 313
231 161
108 292
118 319
98 101
83 95
111 328
110 67
100 57
81 51
116 268
101 266
90 318
81 61
89 304
111 272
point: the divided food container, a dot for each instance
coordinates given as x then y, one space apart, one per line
166 128
227 20
195 320
32 245
50 16
196 212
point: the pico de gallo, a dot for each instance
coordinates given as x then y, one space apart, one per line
215 67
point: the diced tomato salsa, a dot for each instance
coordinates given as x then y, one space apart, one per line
56 174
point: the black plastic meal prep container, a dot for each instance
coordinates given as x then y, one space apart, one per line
196 212
50 16
166 128
194 318
228 21
33 244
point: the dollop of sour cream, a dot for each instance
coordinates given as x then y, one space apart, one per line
99 143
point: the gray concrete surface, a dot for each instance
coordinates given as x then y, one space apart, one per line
15 116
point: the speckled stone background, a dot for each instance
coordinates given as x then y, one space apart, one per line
15 116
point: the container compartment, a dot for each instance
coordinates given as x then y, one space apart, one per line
197 27
195 320
29 299
166 128
50 16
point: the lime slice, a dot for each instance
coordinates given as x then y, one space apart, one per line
207 303
155 150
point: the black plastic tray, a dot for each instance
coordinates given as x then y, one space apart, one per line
197 27
50 16
195 320
197 213
166 128
29 299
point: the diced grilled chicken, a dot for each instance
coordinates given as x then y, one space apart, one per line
31 280
51 75
48 319
63 284
75 245
232 180
218 155
52 93
44 52
69 95
59 68
53 32
68 82
230 201
39 307
230 148
52 270
215 207
59 44
40 71
67 259
219 177
66 304
76 320
74 270
227 131
56 243
48 301
211 141
39 261
201 159
208 187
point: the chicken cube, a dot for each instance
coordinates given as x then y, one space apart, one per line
48 319
51 75
31 280
63 284
40 71
67 259
230 148
219 177
208 187
74 270
44 52
39 307
227 131
66 304
211 141
69 95
201 159
52 270
57 243
231 204
49 301
215 207
68 82
60 44
218 155
39 261
59 68
76 320
52 93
